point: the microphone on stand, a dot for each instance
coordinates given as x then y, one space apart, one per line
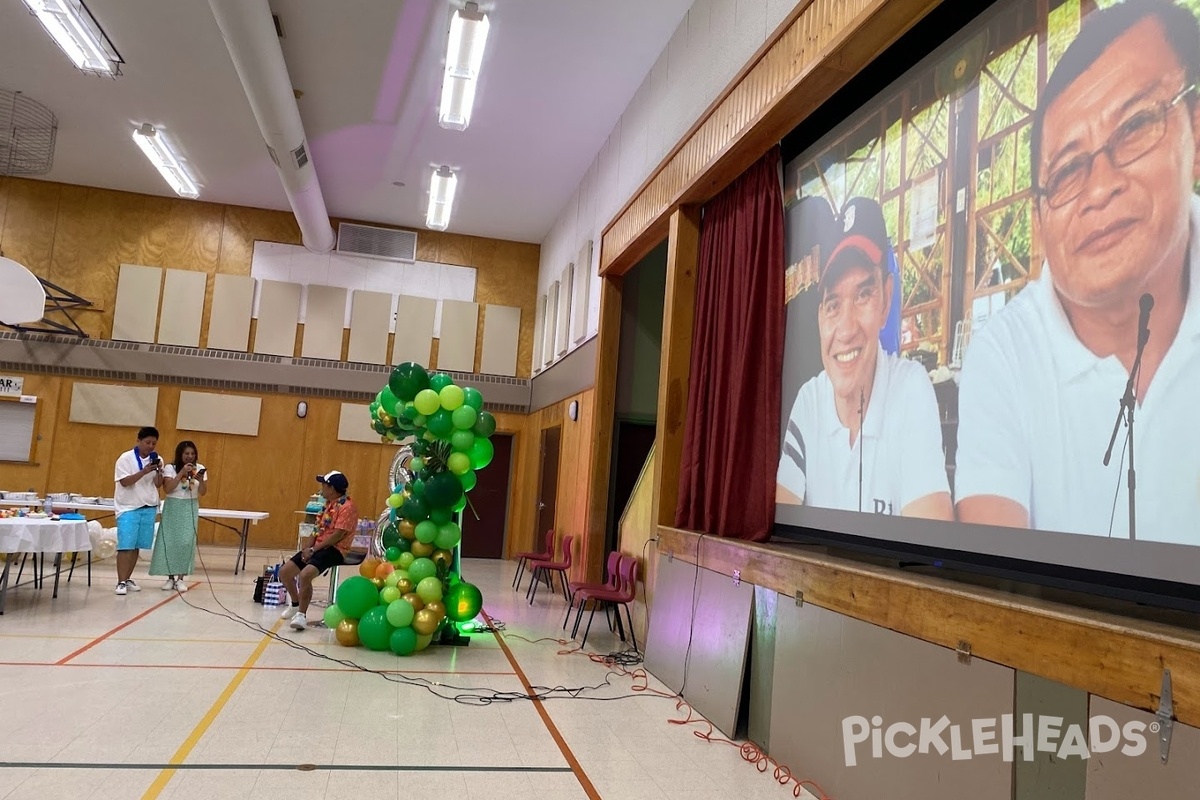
862 402
1146 303
1125 412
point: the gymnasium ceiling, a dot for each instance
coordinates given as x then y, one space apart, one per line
556 76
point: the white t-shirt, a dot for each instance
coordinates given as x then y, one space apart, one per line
143 493
901 443
182 490
1036 411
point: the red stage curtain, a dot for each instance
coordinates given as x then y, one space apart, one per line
731 440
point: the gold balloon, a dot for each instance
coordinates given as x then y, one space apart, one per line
386 419
425 622
407 530
405 586
442 558
438 608
423 641
378 582
422 549
347 633
415 600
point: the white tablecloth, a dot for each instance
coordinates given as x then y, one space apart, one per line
25 535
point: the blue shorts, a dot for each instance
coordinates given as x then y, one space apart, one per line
135 529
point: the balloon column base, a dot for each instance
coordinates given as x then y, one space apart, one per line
451 637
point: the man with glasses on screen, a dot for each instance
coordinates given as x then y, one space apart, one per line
1114 149
867 413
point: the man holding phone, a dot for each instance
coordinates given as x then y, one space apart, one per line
138 475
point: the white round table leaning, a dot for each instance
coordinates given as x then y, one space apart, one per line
23 535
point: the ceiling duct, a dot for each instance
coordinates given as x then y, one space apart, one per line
251 36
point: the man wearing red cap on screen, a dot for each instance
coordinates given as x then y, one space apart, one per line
335 535
866 410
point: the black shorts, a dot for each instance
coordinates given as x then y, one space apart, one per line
324 559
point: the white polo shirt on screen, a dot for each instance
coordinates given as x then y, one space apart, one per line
1036 410
901 443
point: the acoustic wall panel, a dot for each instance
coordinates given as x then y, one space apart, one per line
324 318
135 315
106 404
353 424
583 285
414 329
501 334
370 319
562 326
539 319
549 325
218 413
456 345
182 307
229 319
278 316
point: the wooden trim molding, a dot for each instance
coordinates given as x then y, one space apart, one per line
1118 658
608 349
813 54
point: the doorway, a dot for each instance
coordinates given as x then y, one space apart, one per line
547 484
485 519
634 440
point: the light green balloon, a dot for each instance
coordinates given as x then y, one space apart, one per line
448 536
429 590
400 613
427 401
421 569
451 397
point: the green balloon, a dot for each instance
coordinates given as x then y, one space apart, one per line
356 596
469 480
463 602
473 398
333 616
400 613
481 454
441 515
421 569
419 420
443 489
448 536
417 487
429 589
406 560
464 418
392 554
415 509
461 504
374 630
452 397
403 545
440 381
485 426
440 423
403 640
459 463
388 400
426 531
427 402
407 379
418 464
461 441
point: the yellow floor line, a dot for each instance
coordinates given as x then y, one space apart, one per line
202 727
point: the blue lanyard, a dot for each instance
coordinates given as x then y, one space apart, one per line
138 456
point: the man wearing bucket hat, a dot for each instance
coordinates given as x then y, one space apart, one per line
864 434
335 535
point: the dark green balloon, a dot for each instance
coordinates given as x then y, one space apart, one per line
485 426
441 516
440 381
417 487
472 398
407 379
391 536
443 489
441 423
415 509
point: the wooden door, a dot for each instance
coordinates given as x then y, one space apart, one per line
485 519
547 484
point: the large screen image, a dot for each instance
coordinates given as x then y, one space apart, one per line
977 263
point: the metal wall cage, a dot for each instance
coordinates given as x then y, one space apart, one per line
27 135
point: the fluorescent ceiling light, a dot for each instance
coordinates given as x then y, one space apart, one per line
441 198
464 57
165 161
73 28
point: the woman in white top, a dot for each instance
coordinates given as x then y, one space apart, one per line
185 481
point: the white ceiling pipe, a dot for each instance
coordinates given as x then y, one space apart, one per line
253 44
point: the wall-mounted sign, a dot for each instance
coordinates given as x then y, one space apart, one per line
11 386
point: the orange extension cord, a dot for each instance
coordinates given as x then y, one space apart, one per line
640 681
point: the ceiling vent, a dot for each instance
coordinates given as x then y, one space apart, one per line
384 243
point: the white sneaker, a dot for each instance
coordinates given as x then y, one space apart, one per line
289 612
180 586
299 623
169 586
133 587
122 587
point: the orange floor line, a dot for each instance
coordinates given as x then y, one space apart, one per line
120 627
253 668
580 775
